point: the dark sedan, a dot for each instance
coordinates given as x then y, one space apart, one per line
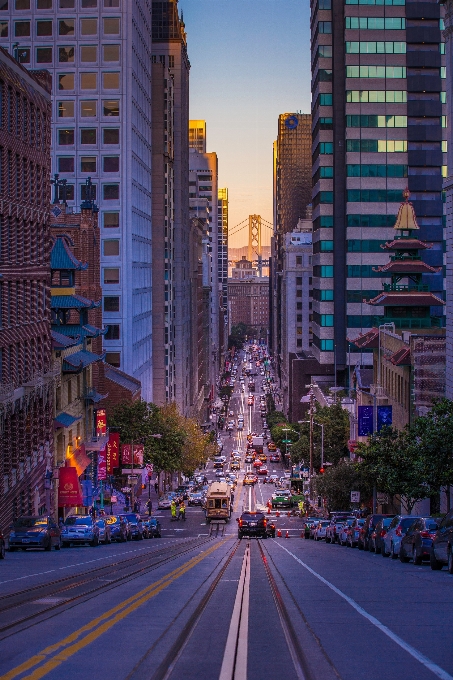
34 532
135 526
252 524
416 544
378 534
119 528
151 528
365 532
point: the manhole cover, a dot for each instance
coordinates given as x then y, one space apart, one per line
50 600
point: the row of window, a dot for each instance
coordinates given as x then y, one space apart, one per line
323 344
375 71
367 121
325 320
66 55
89 81
356 220
17 296
88 164
365 47
61 4
110 108
110 192
376 145
376 23
21 179
324 295
66 137
356 245
375 96
16 244
45 27
375 2
374 195
372 170
21 118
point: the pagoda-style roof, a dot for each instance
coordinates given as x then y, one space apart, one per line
61 341
79 360
62 257
77 330
402 357
368 340
407 267
406 245
72 302
406 219
409 298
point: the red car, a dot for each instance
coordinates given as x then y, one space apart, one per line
257 463
275 458
263 471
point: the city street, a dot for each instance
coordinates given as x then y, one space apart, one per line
194 606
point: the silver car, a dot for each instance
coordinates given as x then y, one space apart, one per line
397 529
105 531
320 530
79 529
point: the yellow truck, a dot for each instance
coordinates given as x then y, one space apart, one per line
219 503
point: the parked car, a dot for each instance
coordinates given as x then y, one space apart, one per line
365 532
119 528
252 524
416 544
79 529
377 535
135 526
352 534
151 528
320 530
105 532
442 547
34 532
333 530
343 532
164 502
2 546
397 529
195 498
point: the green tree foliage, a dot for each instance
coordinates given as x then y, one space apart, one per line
280 433
336 484
275 417
238 335
433 436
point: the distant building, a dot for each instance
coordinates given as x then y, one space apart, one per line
249 303
222 258
197 135
27 374
243 269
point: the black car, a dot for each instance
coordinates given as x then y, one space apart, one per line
152 528
416 544
376 540
135 526
252 524
442 547
34 532
365 533
119 528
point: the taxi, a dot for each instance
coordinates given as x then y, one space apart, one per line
271 446
250 478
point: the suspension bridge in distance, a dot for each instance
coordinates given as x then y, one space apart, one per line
255 224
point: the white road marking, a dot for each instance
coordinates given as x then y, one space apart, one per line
234 664
418 656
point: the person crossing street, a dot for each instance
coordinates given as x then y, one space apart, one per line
182 510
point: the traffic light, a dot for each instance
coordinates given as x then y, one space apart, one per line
321 471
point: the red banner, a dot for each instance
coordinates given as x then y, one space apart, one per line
69 491
79 460
101 422
126 454
139 450
112 452
102 465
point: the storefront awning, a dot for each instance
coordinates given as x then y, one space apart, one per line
65 420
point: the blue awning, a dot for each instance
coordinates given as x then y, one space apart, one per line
80 360
72 302
65 420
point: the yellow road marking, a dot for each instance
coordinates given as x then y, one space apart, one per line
101 624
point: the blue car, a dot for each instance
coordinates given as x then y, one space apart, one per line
151 528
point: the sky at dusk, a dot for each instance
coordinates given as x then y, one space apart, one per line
250 61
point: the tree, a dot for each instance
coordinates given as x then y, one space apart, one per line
238 335
275 418
336 432
336 484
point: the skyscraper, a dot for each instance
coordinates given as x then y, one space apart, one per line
197 135
99 55
222 257
378 111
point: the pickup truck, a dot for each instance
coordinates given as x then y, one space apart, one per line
281 498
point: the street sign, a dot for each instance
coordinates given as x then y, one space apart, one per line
137 471
286 441
355 496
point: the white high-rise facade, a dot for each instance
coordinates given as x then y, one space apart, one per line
99 55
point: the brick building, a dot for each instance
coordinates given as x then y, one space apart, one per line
248 301
26 370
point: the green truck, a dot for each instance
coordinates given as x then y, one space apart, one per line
282 498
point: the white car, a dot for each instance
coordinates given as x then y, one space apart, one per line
320 530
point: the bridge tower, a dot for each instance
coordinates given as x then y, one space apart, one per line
255 240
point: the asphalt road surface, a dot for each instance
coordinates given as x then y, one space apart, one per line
191 606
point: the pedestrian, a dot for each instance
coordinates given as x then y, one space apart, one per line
173 510
156 487
182 510
135 506
149 506
93 511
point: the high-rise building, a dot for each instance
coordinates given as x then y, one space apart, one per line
378 107
99 56
222 258
292 196
169 49
27 375
203 193
197 135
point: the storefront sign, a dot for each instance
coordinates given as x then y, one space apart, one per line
69 491
101 422
365 421
126 455
384 416
112 452
102 465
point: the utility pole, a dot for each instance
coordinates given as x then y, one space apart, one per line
311 432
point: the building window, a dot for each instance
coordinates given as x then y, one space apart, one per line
374 195
66 54
365 47
111 192
65 137
66 81
376 121
88 81
84 193
111 81
66 27
113 332
66 165
3 29
111 52
111 220
112 303
111 247
88 164
112 275
66 109
299 260
43 28
368 170
113 358
88 136
22 29
88 108
111 107
376 145
111 163
326 345
88 26
88 54
111 3
22 4
171 61
388 96
376 23
67 4
89 4
43 4
69 192
43 55
111 135
375 71
111 26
